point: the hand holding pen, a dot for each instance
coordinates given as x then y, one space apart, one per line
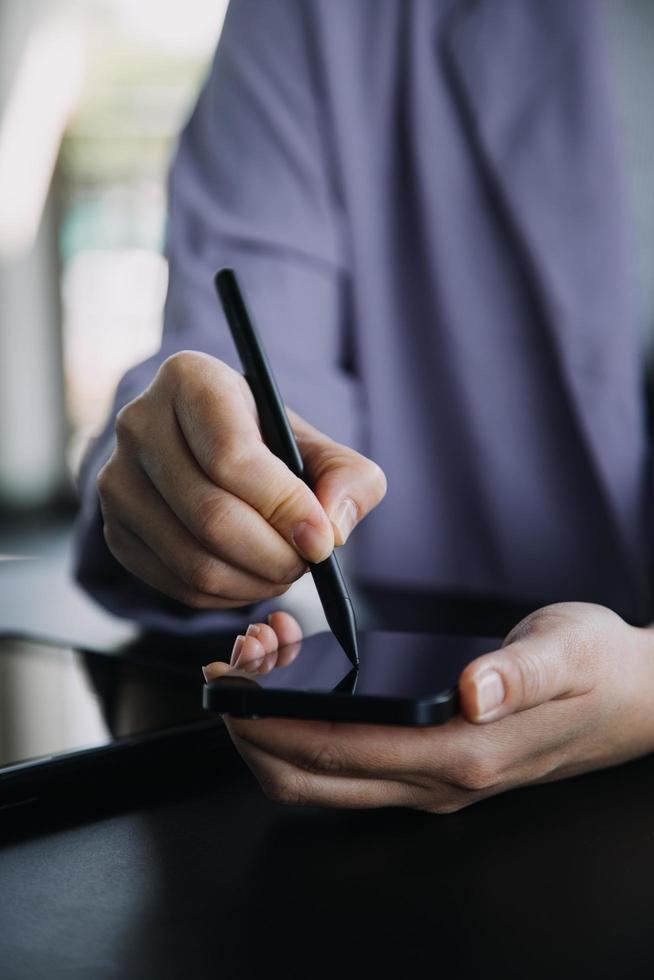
280 439
195 505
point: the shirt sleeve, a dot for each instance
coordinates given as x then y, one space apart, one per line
254 186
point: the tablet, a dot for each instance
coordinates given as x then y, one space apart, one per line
67 715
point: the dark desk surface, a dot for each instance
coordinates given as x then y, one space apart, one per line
195 874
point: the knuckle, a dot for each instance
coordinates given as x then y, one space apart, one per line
211 515
129 422
178 367
227 454
366 478
286 787
530 624
285 507
200 575
562 618
331 457
479 778
530 674
323 761
189 597
479 772
324 455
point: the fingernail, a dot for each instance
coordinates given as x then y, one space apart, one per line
344 519
253 629
310 542
490 692
250 665
238 643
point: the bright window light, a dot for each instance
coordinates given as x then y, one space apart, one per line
45 92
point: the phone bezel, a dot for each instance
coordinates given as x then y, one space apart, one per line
238 696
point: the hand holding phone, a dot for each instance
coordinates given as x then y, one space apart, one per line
569 690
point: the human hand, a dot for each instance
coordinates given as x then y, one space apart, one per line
570 690
198 507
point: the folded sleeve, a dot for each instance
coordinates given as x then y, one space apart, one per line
254 186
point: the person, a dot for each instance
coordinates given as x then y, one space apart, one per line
426 205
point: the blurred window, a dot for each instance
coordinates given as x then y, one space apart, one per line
145 62
92 96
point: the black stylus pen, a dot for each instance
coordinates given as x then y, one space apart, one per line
279 438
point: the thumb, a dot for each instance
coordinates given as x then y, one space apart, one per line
347 484
525 673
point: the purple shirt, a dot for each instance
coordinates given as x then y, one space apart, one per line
424 203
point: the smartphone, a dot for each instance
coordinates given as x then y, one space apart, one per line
403 679
67 715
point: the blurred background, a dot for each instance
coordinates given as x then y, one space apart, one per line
92 96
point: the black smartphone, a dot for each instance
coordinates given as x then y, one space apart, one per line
68 715
404 679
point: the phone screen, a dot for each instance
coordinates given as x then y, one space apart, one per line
56 700
402 665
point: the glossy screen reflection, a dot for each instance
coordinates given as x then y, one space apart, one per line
407 665
55 700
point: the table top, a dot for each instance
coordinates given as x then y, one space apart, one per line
191 872
217 881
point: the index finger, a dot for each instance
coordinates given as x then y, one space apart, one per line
340 748
221 431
